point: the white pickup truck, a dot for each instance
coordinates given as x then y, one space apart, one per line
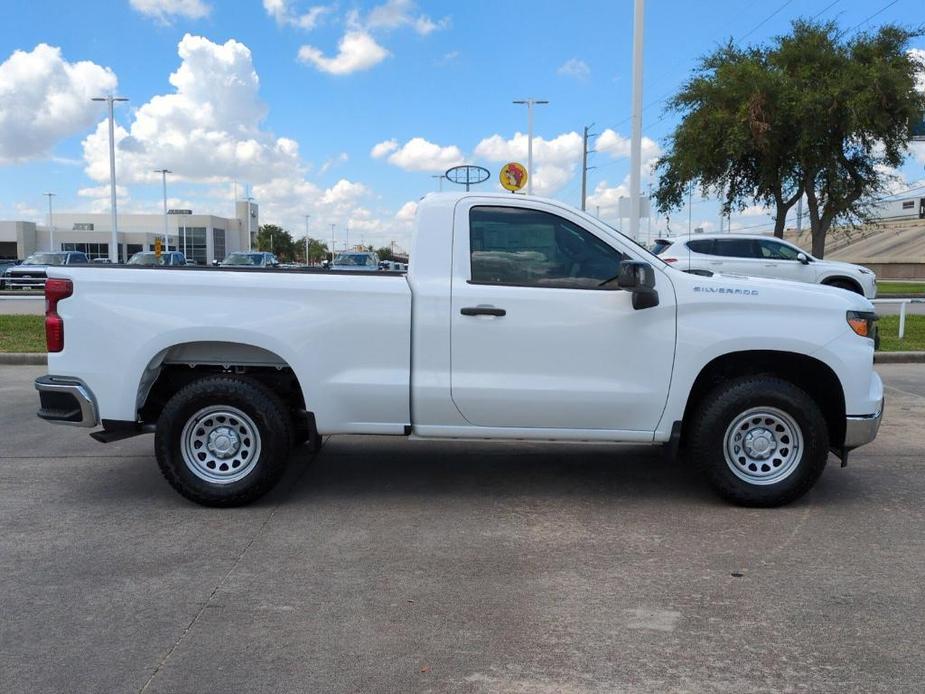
519 318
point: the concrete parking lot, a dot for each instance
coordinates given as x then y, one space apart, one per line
386 566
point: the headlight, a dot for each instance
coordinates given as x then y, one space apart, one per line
862 322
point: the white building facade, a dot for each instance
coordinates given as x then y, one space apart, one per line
203 238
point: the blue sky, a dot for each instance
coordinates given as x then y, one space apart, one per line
262 92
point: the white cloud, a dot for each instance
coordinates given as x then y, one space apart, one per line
166 10
618 147
208 129
331 162
417 154
394 14
44 99
102 191
918 54
555 161
356 50
574 67
607 198
407 212
380 150
283 13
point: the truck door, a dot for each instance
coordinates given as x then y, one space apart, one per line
536 341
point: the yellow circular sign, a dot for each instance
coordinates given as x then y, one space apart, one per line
513 176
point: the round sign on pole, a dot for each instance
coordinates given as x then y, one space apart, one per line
467 175
513 176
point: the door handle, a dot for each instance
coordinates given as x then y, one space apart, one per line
483 311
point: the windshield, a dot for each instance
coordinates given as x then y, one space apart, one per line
659 245
45 259
243 259
145 259
354 259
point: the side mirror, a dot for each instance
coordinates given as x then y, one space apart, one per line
802 257
639 278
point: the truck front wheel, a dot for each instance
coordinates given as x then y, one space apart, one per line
223 440
760 441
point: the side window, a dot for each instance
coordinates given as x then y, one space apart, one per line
516 246
701 246
777 251
735 248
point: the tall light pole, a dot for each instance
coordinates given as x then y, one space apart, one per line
439 178
163 173
307 217
530 102
332 243
114 245
51 223
249 217
636 142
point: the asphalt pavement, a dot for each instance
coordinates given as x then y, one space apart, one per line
382 565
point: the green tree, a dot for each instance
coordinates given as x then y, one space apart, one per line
385 253
276 240
317 250
814 113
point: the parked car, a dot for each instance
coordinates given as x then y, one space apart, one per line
392 266
170 258
762 256
521 319
30 273
6 264
356 261
250 259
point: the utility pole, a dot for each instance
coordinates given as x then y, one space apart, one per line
332 243
649 219
51 223
636 142
163 173
530 102
114 246
690 208
439 178
800 215
584 166
347 235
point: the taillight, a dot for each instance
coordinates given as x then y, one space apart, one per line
670 260
55 290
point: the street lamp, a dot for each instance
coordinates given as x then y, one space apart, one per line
51 223
332 243
636 141
163 173
114 246
530 102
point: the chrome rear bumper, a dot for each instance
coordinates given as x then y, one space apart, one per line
65 400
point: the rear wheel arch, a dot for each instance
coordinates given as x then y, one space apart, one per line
811 375
177 366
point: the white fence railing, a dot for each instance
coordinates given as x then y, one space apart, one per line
902 310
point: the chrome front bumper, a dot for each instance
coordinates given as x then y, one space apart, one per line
861 430
65 400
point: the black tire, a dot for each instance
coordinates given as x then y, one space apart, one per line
845 284
727 405
266 413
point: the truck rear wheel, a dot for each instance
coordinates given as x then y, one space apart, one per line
760 441
223 440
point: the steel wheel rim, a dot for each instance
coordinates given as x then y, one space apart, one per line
763 445
220 444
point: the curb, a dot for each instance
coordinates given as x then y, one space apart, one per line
900 296
899 358
23 358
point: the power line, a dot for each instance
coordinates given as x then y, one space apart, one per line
764 21
862 23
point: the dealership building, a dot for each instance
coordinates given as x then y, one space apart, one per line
201 237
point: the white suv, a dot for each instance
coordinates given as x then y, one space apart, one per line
761 256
